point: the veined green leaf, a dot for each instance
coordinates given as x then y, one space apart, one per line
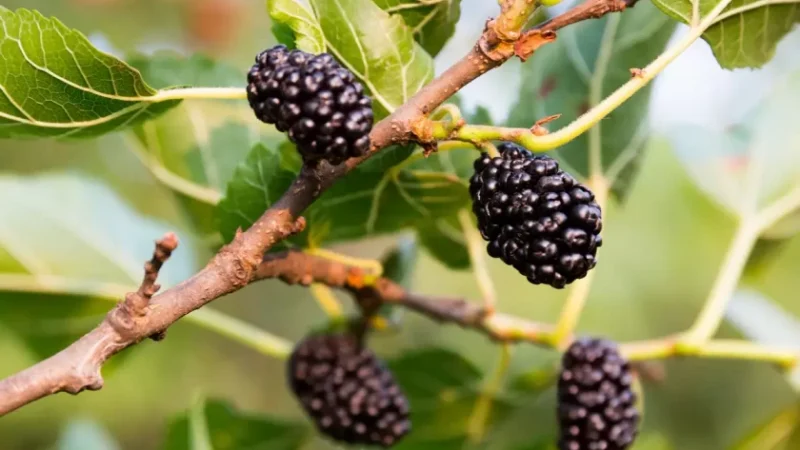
53 82
378 48
746 33
195 148
299 18
433 22
376 198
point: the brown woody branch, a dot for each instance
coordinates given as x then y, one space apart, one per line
143 314
294 267
545 32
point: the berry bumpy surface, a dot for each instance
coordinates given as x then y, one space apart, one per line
319 103
536 217
596 404
347 391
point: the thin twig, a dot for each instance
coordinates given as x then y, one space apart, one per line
545 32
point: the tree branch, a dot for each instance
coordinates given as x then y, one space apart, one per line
294 267
142 314
77 367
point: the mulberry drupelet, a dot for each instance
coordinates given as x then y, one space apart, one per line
347 391
536 217
596 404
319 103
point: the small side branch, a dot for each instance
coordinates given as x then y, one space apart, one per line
77 368
136 303
545 32
296 267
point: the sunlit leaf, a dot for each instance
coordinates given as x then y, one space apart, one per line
432 22
747 31
299 20
55 83
379 48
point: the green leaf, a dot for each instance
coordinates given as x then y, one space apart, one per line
257 183
297 17
215 424
442 388
375 198
432 22
586 63
84 434
54 83
428 373
69 249
166 69
378 48
749 166
747 31
195 148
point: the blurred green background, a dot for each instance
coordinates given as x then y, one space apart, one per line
663 244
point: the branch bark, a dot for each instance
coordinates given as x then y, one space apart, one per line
294 267
142 315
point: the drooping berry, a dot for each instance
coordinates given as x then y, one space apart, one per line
596 404
536 217
348 392
318 102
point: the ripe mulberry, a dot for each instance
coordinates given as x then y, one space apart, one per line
320 103
348 392
536 217
596 404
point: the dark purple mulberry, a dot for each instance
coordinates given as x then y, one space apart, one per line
348 392
318 102
536 217
596 404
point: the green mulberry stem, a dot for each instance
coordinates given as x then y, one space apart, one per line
202 93
241 332
476 428
531 141
477 251
710 316
719 348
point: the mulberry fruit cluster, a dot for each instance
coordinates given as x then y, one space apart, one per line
318 102
596 402
536 217
347 391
